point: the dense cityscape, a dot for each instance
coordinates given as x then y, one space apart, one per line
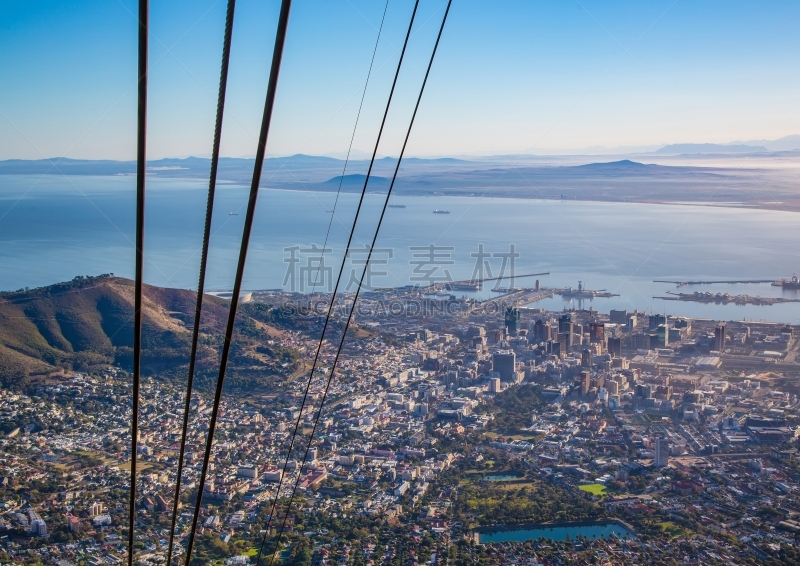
399 283
452 432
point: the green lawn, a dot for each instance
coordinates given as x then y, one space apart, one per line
672 530
526 437
140 466
594 488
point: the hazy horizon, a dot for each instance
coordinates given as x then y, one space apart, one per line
594 151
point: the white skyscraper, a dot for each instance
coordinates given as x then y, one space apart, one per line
662 453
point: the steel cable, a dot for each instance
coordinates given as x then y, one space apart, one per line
349 148
277 54
361 282
330 222
141 169
212 183
338 281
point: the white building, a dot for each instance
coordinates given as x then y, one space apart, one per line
661 459
248 472
38 528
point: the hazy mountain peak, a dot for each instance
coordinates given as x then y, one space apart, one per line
695 148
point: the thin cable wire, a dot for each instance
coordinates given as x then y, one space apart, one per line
269 103
212 183
338 281
341 181
141 169
349 149
360 283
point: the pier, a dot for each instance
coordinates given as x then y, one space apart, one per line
725 298
683 283
477 284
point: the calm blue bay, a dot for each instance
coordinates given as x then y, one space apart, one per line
53 228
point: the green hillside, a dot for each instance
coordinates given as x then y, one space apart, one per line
89 321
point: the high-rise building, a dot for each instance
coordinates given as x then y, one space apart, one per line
494 385
512 321
586 358
656 320
564 338
615 346
662 332
505 363
538 331
719 337
639 341
553 347
38 528
662 453
73 523
565 322
619 317
597 333
586 381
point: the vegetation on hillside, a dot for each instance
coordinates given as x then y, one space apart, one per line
88 322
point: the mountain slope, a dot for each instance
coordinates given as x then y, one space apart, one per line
89 321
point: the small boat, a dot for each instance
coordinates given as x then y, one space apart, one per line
233 214
397 206
329 211
437 211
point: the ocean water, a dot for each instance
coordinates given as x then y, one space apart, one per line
53 228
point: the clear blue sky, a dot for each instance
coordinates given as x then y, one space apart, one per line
511 76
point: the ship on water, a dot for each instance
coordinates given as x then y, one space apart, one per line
583 293
397 205
437 211
793 283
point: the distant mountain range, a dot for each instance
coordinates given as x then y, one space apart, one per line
787 143
303 169
709 148
511 177
296 170
672 178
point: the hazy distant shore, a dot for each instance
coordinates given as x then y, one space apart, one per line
763 180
